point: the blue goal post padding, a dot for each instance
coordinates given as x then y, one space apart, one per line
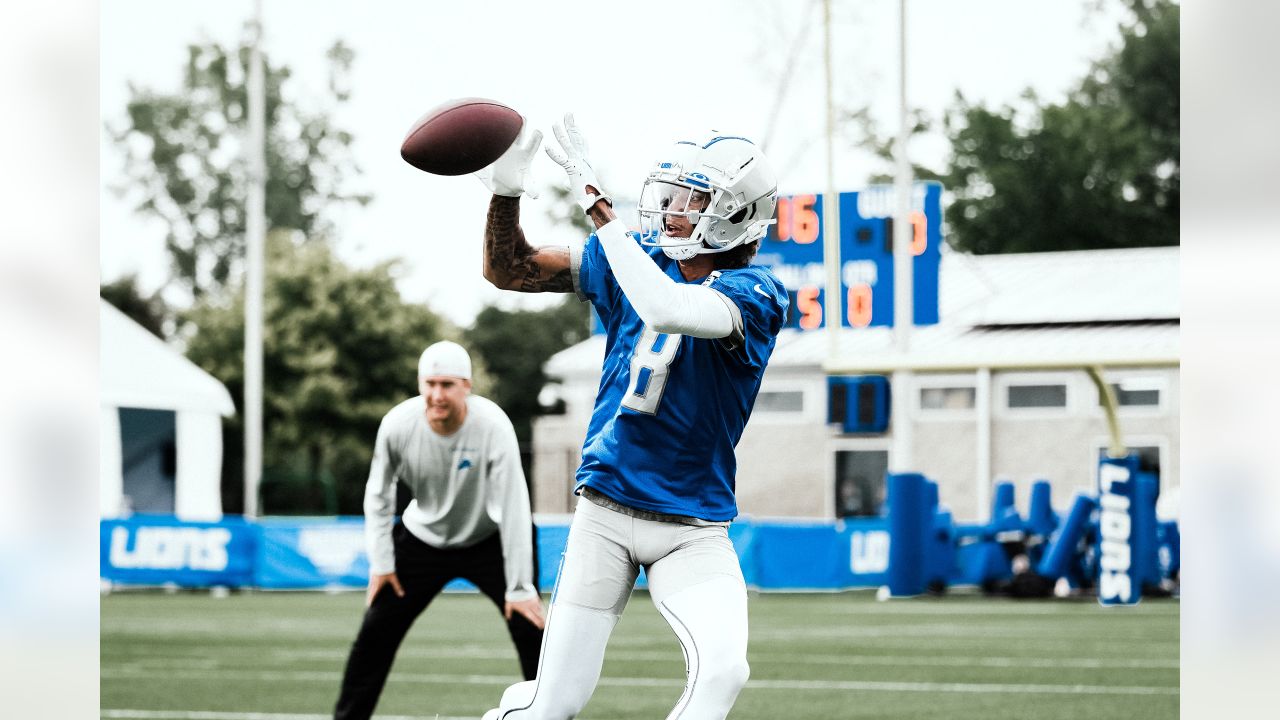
910 519
1120 519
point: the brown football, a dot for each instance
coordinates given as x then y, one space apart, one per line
461 136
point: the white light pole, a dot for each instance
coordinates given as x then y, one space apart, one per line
831 208
255 236
903 314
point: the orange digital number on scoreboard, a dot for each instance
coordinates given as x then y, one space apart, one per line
860 305
809 307
919 233
804 219
797 220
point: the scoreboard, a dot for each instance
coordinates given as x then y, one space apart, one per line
793 250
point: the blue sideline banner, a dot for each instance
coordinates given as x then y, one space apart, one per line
303 553
817 556
551 543
329 553
160 549
777 555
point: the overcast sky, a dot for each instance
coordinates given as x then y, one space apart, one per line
637 75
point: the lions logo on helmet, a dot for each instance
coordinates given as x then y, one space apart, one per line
723 186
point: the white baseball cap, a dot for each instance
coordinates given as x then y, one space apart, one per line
445 358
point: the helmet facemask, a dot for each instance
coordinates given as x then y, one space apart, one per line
725 208
671 216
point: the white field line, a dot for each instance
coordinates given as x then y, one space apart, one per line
214 715
502 680
479 653
993 608
950 630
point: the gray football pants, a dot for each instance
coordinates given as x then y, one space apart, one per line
696 584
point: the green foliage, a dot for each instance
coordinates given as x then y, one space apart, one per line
1097 171
185 160
149 311
340 349
514 345
1100 170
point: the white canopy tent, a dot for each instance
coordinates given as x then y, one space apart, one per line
138 370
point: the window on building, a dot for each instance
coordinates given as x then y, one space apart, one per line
860 482
1136 393
1037 396
947 398
780 401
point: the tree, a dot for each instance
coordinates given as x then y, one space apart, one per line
149 311
340 349
1100 170
183 156
514 345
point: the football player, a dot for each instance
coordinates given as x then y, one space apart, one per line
691 325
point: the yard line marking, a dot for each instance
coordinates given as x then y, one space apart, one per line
1086 609
933 631
993 688
118 714
503 680
761 657
959 661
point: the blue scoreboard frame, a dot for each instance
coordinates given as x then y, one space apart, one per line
793 249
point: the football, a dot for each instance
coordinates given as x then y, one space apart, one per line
461 136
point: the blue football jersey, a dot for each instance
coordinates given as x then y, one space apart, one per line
671 408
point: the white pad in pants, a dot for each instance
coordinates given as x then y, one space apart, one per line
711 621
694 580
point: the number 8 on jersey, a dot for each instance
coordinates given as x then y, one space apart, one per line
655 353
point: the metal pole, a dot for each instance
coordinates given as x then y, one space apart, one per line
831 208
255 237
982 469
903 315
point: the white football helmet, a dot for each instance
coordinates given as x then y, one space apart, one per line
722 186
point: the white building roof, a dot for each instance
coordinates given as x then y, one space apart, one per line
1059 287
946 347
1035 310
138 370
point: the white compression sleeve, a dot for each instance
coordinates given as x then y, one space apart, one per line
663 304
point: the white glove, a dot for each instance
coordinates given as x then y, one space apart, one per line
575 164
510 174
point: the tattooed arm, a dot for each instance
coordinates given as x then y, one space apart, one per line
511 263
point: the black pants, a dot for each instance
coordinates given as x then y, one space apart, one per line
423 571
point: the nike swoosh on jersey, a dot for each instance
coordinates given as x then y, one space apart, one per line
760 290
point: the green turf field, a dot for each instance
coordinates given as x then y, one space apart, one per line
280 657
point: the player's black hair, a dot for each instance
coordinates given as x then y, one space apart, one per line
738 257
